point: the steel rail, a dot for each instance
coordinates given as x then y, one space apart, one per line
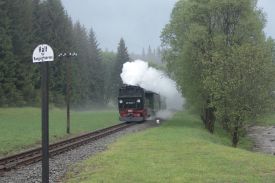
35 155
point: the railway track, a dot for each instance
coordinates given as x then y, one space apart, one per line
35 155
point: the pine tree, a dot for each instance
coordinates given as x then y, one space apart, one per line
121 58
143 56
96 71
20 14
8 92
81 77
149 54
108 61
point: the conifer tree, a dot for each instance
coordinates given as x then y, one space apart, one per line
108 61
81 65
96 71
20 14
121 58
8 92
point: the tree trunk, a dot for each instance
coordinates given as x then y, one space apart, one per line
208 118
235 136
204 116
211 119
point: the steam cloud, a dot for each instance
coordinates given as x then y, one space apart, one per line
138 73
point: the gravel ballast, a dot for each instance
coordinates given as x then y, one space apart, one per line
263 138
60 164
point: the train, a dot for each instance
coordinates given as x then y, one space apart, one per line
136 104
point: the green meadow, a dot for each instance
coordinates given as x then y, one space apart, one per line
180 150
20 128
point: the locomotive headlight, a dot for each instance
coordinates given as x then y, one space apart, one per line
138 100
120 101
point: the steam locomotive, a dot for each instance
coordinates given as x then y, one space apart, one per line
136 104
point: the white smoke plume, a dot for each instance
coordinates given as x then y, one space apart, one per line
138 73
164 114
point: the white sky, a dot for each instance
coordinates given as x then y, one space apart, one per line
268 7
139 22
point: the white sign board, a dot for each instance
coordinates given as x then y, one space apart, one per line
42 53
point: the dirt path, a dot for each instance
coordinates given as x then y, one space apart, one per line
264 138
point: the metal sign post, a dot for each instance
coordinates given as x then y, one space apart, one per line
45 122
44 53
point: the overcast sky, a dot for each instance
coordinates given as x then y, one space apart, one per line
268 7
139 22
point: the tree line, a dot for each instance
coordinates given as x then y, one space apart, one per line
222 60
28 23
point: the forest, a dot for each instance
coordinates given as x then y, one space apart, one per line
26 24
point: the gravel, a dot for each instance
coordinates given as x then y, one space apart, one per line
263 138
60 164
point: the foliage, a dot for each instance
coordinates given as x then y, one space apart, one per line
221 60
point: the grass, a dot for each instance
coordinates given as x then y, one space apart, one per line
266 120
180 150
21 127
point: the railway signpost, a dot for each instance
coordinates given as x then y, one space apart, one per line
43 54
